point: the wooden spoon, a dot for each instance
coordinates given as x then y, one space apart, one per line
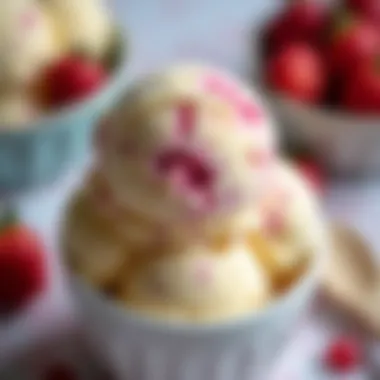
352 278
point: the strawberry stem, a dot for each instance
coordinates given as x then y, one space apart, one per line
341 22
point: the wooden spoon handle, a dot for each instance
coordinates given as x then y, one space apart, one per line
351 277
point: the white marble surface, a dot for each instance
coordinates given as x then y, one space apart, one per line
162 31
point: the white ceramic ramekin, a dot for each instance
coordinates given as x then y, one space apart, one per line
137 348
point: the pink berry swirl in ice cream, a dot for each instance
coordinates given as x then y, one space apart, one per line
185 144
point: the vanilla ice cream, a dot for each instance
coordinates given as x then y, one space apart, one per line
270 246
27 42
192 144
84 26
200 281
93 246
186 144
291 228
199 284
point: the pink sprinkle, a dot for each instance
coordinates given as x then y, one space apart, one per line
230 92
250 112
186 117
221 86
203 272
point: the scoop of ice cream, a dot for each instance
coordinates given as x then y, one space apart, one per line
199 283
204 281
17 111
137 228
268 247
84 26
273 244
27 41
187 143
92 245
289 228
134 228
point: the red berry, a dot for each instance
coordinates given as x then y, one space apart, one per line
353 41
370 9
22 267
301 21
362 90
60 372
343 355
298 71
72 79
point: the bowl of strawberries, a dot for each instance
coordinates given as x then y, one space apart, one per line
320 68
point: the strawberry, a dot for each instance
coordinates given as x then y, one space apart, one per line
362 90
369 9
298 72
22 266
343 355
301 21
71 80
352 42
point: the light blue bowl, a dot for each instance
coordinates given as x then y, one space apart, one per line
39 155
